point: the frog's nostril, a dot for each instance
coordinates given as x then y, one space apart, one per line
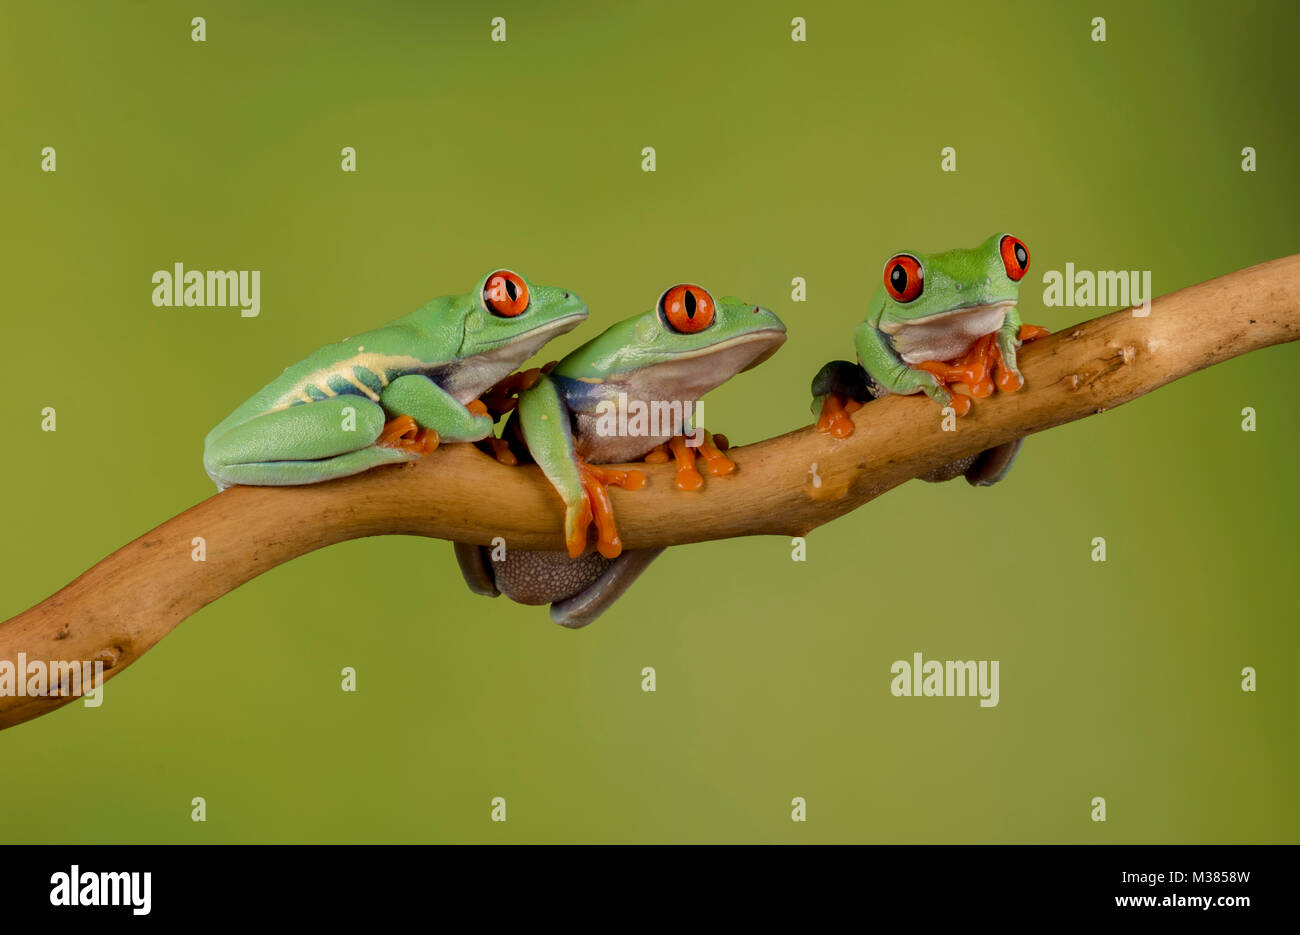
757 309
566 295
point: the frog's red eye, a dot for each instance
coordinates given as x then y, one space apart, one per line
687 308
505 294
1015 257
904 278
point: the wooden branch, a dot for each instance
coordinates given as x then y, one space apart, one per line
122 606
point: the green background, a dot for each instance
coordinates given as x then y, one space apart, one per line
775 159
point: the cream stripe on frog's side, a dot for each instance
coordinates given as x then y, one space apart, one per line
322 417
384 367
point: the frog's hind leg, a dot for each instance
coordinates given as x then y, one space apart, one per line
476 568
304 444
839 389
993 464
585 606
578 589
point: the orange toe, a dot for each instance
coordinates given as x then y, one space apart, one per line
657 455
715 462
501 451
687 477
426 441
602 514
401 432
834 419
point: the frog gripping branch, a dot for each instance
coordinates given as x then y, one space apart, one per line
687 345
390 395
118 609
942 324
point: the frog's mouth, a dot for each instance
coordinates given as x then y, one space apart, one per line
945 335
476 373
684 376
761 344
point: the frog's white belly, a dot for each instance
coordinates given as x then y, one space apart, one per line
946 335
611 449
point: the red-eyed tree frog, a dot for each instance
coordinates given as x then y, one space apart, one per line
943 324
685 346
389 395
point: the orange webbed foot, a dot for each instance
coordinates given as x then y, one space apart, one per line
404 433
1032 333
595 480
834 419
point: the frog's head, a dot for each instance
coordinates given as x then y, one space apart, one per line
937 304
685 346
508 317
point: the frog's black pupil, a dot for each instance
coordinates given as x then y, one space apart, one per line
690 304
510 288
1021 257
898 277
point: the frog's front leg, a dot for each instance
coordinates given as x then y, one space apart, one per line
305 444
1007 371
889 370
1011 336
434 408
544 420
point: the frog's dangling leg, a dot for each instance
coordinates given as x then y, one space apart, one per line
840 389
588 604
594 481
476 568
992 464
